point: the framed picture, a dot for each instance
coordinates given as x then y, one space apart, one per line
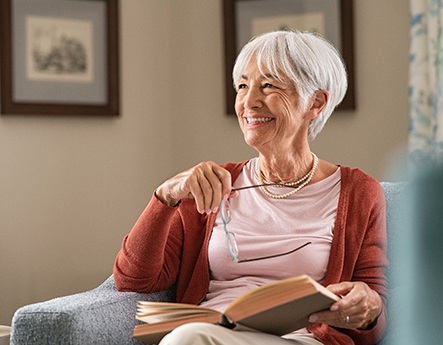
244 19
59 57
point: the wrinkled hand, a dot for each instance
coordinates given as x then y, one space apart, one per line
206 182
359 307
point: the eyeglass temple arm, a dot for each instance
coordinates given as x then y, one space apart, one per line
276 255
262 185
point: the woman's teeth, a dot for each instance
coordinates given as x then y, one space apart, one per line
258 119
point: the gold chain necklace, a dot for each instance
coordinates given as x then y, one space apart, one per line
302 182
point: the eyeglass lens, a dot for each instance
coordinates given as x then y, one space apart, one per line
231 241
225 211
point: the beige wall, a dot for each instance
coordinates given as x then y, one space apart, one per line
70 188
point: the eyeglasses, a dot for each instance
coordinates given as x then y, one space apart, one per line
231 241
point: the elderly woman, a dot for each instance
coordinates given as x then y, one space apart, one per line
288 84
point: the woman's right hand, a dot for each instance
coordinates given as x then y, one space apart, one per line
208 183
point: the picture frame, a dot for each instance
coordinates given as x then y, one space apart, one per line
59 57
244 19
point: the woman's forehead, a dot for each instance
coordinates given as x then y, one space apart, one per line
265 72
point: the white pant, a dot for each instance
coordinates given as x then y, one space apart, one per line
198 333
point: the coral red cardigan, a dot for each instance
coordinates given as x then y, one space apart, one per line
169 246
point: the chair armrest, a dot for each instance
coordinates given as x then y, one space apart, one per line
100 316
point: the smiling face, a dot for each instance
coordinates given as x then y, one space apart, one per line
309 61
270 112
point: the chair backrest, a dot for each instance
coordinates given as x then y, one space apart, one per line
394 198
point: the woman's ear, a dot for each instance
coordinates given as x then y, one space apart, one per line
318 101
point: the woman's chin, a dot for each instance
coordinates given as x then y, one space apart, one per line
254 141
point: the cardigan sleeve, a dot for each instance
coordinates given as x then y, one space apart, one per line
369 250
167 246
358 252
149 259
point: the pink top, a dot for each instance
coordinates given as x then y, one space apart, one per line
264 226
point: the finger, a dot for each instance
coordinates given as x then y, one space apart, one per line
199 190
341 289
226 180
351 292
348 320
215 183
221 186
335 319
206 182
201 187
209 185
342 319
213 193
357 294
233 194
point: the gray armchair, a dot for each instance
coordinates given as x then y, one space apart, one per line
100 316
106 316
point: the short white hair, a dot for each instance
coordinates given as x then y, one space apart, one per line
309 61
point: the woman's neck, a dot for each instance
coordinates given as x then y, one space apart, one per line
286 168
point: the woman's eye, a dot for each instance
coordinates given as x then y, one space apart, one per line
242 86
268 85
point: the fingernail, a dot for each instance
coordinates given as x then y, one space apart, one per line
313 318
334 307
215 209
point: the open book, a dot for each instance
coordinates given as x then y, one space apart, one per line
277 308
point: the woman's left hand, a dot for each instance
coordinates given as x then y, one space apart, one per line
359 307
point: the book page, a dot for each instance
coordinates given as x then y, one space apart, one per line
153 312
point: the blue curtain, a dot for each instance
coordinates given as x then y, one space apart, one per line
426 81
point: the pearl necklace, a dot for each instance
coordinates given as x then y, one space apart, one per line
300 183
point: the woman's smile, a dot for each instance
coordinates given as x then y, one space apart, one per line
257 120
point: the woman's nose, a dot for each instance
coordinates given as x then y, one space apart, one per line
253 99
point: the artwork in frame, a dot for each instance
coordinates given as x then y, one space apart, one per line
244 19
59 57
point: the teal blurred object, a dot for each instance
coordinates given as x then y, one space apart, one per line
417 266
